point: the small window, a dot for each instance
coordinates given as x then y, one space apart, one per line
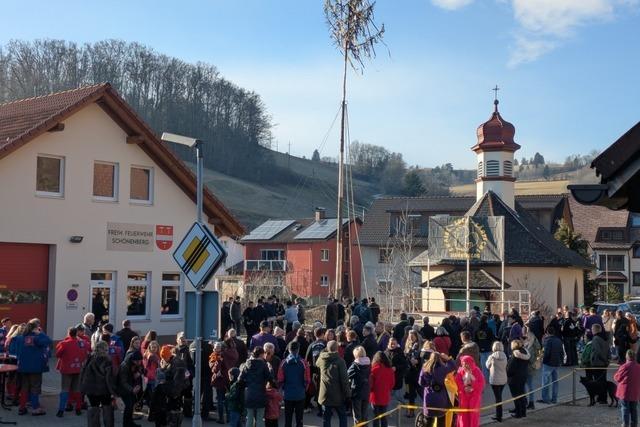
612 235
636 278
324 254
50 176
384 255
480 169
272 254
508 168
346 253
103 277
137 294
324 280
635 220
493 168
171 295
105 181
611 263
141 186
384 287
636 251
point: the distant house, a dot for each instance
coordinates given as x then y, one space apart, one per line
538 269
301 255
614 244
386 219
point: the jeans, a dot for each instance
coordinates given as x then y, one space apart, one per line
360 410
497 394
129 400
483 362
255 417
220 399
531 397
291 406
377 410
629 412
549 375
235 419
328 411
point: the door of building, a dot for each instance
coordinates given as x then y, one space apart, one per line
24 279
102 296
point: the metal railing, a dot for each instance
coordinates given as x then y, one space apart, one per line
265 265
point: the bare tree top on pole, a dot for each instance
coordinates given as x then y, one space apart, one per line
353 29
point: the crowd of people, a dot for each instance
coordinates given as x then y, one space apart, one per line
352 364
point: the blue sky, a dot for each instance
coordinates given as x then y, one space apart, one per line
568 69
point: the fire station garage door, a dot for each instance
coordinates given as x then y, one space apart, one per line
24 276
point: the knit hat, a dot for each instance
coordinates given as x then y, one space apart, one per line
166 352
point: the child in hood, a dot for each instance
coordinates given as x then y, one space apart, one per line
234 399
272 411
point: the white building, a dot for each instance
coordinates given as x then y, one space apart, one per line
93 205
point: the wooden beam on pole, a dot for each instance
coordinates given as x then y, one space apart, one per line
135 139
58 127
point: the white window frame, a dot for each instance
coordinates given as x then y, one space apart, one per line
173 283
324 255
57 195
147 299
388 255
324 280
281 255
151 186
116 180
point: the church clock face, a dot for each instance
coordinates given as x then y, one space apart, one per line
455 239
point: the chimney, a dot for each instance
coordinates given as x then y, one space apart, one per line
320 214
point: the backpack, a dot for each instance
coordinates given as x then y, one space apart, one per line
316 348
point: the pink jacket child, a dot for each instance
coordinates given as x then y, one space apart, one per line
628 378
470 381
272 411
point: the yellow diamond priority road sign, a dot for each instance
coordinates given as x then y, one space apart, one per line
199 255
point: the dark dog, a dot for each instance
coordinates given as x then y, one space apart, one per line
597 388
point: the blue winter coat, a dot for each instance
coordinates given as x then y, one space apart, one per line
293 377
32 351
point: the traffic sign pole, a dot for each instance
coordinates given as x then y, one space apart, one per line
197 419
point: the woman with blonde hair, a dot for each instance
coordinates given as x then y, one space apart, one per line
432 380
517 367
412 353
358 374
497 365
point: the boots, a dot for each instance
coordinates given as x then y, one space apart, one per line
107 416
93 416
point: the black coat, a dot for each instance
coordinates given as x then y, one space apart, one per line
428 332
370 345
348 352
359 380
517 369
254 375
398 330
96 377
399 362
126 335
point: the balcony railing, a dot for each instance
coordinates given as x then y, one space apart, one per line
265 265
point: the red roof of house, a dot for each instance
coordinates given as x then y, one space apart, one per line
496 134
23 120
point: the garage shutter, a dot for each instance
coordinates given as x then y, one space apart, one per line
24 276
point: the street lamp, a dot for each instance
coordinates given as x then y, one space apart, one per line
197 144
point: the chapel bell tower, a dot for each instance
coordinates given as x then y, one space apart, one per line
495 153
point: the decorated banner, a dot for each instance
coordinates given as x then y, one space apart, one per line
458 238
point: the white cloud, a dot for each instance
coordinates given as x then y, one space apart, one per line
451 4
544 25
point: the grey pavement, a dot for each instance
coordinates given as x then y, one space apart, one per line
567 414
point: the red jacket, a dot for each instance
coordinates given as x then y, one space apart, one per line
628 378
381 380
272 411
442 344
71 354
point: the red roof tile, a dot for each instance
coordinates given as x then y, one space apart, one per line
23 120
587 219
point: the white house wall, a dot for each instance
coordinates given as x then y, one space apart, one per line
90 135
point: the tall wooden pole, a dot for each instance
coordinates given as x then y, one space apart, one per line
339 234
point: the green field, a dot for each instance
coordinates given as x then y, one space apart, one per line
522 188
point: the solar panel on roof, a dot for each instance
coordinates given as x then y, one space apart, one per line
319 230
268 230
